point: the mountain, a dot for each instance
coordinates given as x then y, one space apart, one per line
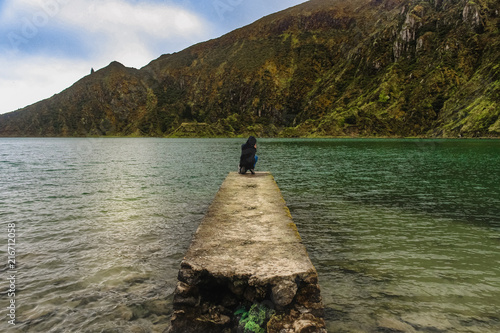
323 68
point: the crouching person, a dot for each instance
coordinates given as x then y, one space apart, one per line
248 159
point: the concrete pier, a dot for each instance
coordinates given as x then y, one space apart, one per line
247 251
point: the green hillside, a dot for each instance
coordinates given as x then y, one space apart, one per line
323 68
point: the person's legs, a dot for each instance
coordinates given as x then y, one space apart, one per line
253 167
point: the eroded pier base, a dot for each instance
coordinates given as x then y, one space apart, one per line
247 251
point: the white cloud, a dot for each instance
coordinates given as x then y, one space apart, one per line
154 20
109 27
28 80
133 33
159 20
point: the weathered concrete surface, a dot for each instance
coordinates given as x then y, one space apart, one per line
247 250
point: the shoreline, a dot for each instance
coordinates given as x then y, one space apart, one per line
261 137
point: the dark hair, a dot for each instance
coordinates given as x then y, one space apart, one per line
252 141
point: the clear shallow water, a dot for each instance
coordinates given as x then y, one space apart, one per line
403 233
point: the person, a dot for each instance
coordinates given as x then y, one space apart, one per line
248 158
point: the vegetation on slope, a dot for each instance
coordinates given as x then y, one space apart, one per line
323 68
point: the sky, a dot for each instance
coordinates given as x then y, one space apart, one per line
47 45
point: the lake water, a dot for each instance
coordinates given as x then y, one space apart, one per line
405 234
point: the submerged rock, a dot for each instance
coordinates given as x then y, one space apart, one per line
394 325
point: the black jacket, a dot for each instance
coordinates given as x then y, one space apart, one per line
248 152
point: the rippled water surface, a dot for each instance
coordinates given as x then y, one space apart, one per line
405 234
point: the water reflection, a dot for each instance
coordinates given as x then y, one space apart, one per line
404 233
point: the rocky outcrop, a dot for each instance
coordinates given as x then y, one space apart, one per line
471 16
408 33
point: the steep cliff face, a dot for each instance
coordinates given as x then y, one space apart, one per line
323 68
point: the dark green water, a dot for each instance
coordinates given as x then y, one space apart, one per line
404 233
